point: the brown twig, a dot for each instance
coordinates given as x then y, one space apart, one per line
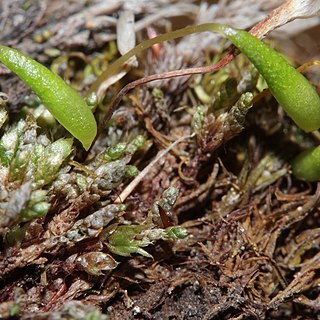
133 184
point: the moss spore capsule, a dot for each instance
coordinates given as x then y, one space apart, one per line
65 104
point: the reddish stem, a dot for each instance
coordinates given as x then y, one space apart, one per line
167 75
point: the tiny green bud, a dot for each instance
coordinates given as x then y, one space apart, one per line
115 152
168 198
41 208
92 99
81 181
138 141
197 119
176 232
157 93
46 35
131 171
122 207
52 52
37 196
38 210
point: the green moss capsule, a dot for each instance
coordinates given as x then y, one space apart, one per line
306 166
65 104
291 89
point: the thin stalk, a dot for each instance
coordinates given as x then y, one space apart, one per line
118 64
